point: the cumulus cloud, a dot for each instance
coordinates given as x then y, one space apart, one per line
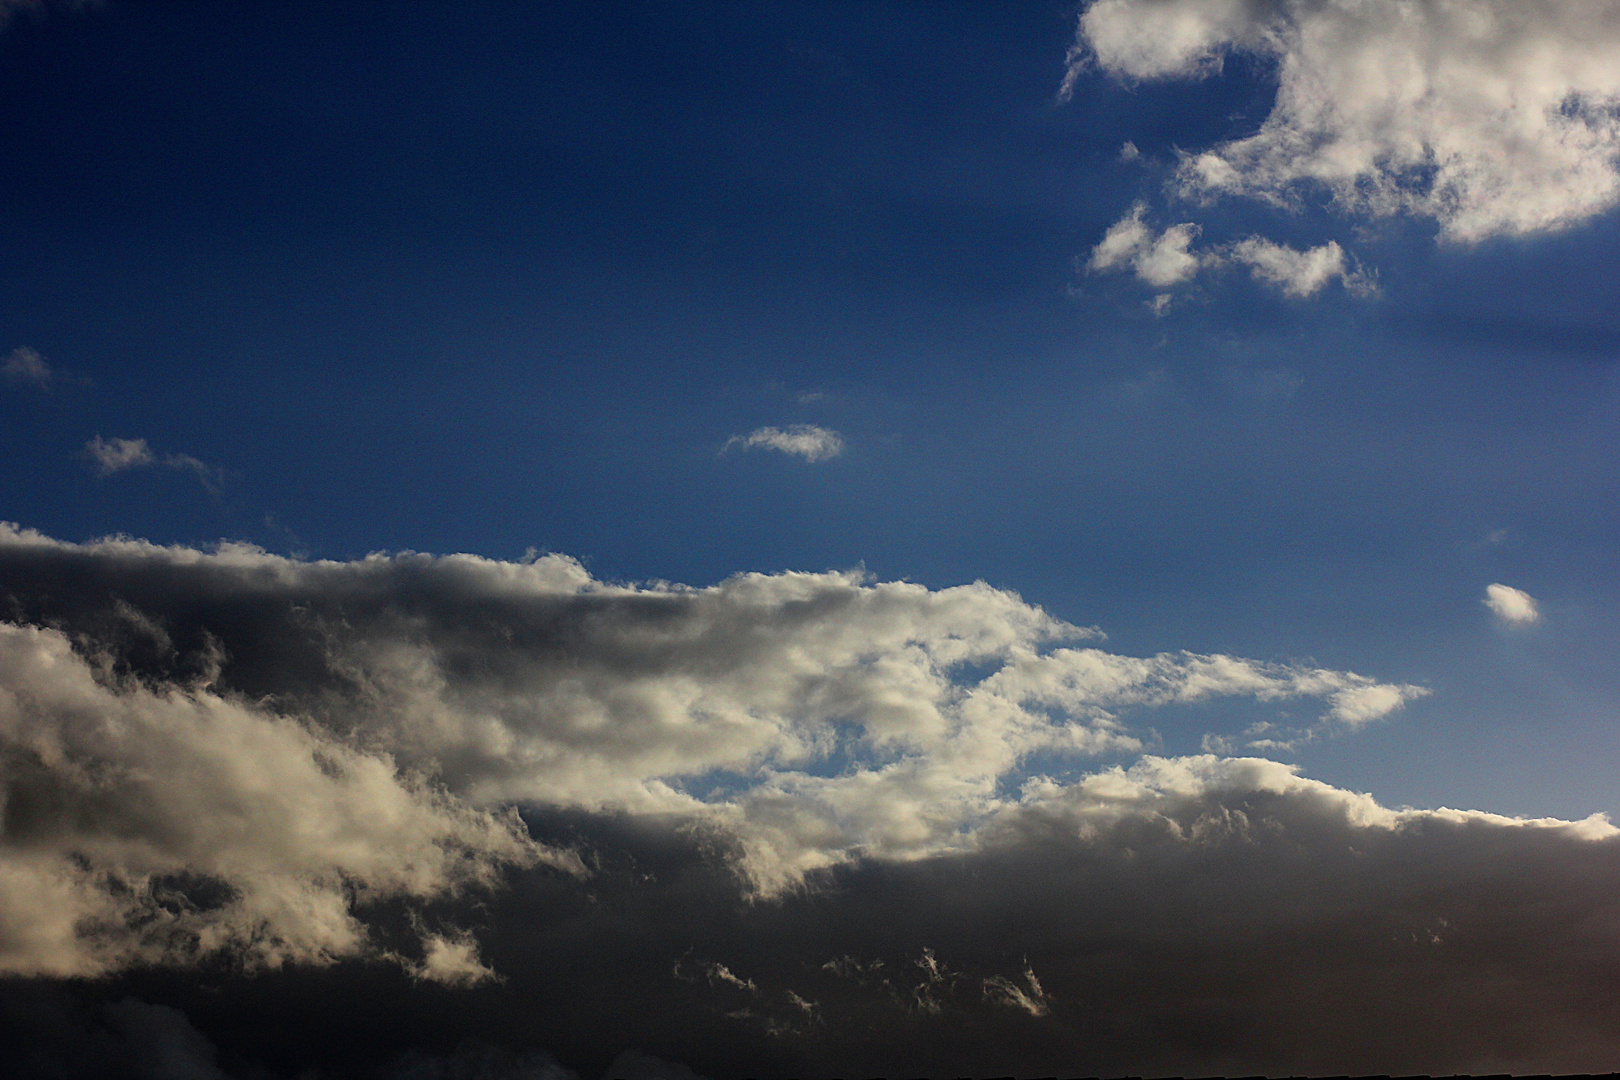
1300 273
1491 117
1158 258
802 440
26 365
1163 258
811 718
1514 607
160 824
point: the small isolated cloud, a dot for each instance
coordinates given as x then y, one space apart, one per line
1300 273
1166 258
452 960
1490 117
211 477
26 365
804 440
1027 996
1159 259
110 456
1358 705
1515 607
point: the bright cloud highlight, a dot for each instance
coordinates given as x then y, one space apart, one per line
1491 117
1515 607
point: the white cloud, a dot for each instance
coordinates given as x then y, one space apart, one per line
1166 258
1159 258
1300 273
116 455
110 456
1514 607
803 440
26 365
727 704
1491 117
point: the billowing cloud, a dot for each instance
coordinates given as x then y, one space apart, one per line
161 824
811 718
1491 117
26 365
1514 607
804 817
801 440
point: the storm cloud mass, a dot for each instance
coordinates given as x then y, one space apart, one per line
761 814
748 410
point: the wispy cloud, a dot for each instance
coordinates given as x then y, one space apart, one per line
1165 258
1514 607
801 440
1300 273
109 456
27 365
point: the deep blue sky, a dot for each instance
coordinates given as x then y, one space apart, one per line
503 276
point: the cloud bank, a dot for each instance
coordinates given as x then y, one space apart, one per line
1490 117
154 693
788 824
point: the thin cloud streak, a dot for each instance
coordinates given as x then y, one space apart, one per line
799 440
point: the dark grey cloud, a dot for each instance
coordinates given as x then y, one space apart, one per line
781 826
1231 931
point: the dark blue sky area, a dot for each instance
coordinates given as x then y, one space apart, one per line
497 276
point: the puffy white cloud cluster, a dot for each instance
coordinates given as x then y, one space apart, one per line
808 441
311 733
1166 257
1491 117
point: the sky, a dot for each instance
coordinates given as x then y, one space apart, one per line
810 539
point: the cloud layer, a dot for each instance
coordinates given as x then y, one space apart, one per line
810 823
1189 916
1491 117
155 692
